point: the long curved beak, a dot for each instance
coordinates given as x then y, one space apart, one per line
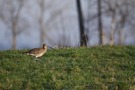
51 48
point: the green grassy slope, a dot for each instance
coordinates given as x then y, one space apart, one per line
95 68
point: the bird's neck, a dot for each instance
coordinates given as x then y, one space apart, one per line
44 47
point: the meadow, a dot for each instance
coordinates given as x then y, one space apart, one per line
85 68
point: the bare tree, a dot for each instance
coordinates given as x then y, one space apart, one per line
100 27
41 21
119 10
111 11
83 41
124 13
12 21
120 13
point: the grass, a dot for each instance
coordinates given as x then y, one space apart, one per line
95 68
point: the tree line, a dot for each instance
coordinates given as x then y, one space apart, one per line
119 13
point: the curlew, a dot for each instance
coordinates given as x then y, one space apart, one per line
37 52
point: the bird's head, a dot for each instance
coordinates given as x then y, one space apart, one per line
44 46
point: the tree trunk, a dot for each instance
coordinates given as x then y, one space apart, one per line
83 41
42 33
14 22
122 25
14 35
112 30
100 27
41 22
120 39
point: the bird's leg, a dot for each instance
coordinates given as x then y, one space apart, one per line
36 58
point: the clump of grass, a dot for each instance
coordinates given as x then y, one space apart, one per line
95 68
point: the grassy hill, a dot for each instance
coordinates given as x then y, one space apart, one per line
95 68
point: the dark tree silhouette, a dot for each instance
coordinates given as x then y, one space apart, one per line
100 27
83 40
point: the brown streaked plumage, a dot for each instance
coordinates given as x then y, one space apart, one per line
37 52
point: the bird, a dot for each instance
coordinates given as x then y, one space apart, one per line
37 52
